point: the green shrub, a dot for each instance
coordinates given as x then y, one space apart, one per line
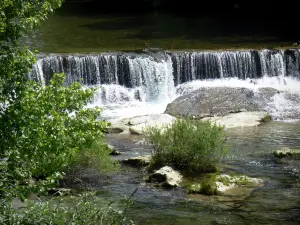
42 128
209 186
82 210
97 156
188 145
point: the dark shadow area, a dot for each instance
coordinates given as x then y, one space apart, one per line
161 26
118 23
127 25
234 17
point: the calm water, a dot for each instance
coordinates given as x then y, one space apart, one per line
71 31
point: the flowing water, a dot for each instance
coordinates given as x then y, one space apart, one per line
250 154
139 82
144 83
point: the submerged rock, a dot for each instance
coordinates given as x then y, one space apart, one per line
220 101
242 119
286 152
59 191
240 180
138 161
225 184
113 150
166 176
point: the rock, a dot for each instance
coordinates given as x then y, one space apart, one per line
137 124
166 176
113 150
220 101
221 187
242 119
138 161
138 129
115 130
59 191
224 184
286 152
140 123
267 118
117 127
240 180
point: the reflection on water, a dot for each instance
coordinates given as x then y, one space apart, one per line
71 32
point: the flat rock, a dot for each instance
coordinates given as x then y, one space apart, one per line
137 124
138 161
241 119
140 123
117 127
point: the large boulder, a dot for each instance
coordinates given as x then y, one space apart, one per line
166 176
220 101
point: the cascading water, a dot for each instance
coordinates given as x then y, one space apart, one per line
133 84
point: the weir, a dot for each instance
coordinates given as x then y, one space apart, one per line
155 76
132 69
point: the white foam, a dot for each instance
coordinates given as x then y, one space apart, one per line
121 102
280 83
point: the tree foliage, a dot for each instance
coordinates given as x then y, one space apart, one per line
42 128
18 17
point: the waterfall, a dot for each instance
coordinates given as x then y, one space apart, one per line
144 79
272 63
251 64
132 69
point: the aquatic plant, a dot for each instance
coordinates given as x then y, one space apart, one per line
188 145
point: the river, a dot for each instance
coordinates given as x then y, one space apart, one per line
106 51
